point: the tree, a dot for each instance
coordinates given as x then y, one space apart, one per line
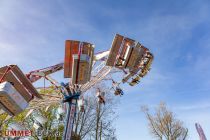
2 121
52 123
164 125
96 122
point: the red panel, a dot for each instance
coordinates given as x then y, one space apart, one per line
71 48
67 59
116 44
127 42
25 81
72 69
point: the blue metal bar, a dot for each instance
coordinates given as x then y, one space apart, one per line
71 113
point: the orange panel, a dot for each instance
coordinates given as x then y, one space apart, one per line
126 48
3 69
72 47
91 60
116 44
25 81
129 56
67 58
74 50
127 42
135 61
86 48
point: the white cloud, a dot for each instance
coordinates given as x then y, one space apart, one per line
201 105
9 54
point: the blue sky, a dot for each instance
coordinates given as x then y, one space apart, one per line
32 35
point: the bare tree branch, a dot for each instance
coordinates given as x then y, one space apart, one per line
163 124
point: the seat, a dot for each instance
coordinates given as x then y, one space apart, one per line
21 83
16 91
101 97
120 51
78 61
128 54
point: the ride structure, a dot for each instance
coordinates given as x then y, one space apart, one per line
84 70
200 131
